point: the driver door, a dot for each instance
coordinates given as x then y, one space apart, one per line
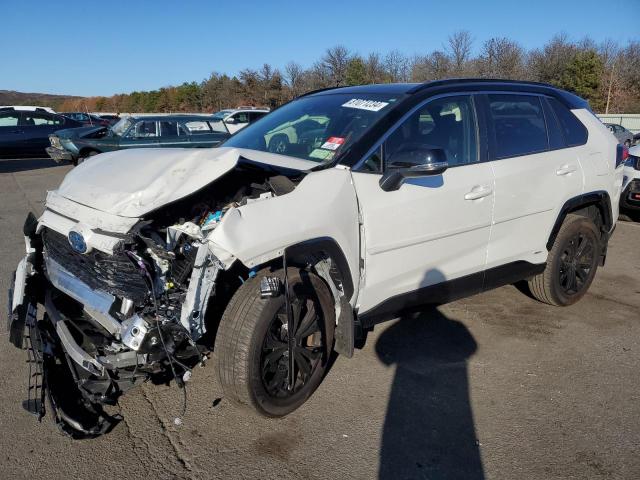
433 229
144 134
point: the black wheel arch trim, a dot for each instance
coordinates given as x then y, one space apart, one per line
296 253
598 198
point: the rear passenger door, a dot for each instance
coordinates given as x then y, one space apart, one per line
36 127
144 134
172 134
534 176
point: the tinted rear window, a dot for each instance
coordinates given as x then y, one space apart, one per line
575 133
519 125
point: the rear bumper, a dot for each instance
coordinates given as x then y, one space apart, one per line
630 198
59 154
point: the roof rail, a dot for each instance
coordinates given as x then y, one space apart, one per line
449 81
311 92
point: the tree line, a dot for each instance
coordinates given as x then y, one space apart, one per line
607 74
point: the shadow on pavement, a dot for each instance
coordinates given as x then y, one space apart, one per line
22 164
429 430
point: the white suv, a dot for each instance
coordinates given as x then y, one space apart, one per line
382 199
238 118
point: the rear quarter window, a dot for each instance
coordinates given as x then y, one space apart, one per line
575 133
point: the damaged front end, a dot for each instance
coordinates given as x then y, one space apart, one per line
122 308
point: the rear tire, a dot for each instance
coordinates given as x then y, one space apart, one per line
251 344
571 264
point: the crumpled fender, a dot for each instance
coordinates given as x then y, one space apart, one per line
324 204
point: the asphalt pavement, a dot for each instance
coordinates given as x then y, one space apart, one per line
496 386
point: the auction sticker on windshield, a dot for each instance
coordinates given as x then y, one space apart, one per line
321 154
333 143
371 105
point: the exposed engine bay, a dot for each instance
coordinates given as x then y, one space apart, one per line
145 312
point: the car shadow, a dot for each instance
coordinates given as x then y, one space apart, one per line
429 430
23 164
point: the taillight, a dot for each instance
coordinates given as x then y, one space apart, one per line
622 153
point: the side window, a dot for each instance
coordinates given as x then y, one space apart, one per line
575 133
143 129
518 124
9 119
556 137
37 118
241 117
447 123
253 116
197 126
169 129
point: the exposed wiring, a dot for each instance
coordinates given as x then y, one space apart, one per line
143 268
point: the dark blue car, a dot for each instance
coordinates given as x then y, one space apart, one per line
24 131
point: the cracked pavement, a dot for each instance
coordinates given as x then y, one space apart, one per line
493 386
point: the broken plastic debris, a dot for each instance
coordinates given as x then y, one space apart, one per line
212 219
177 421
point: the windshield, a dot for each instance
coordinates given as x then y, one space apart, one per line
121 127
316 128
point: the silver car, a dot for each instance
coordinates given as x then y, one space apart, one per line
624 136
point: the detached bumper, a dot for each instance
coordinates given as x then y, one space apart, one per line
59 154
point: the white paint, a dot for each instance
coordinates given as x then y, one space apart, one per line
423 233
130 183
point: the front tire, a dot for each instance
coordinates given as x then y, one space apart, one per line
251 348
571 264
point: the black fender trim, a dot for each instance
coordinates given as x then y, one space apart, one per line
296 254
299 254
598 198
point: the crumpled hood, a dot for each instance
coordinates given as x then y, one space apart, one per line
130 183
79 132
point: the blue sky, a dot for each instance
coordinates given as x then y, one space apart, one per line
90 47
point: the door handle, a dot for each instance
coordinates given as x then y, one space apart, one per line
566 169
478 192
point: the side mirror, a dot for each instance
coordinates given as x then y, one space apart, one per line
230 120
413 163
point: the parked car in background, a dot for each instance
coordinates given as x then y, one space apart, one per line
624 136
630 198
31 108
24 131
238 118
87 119
187 131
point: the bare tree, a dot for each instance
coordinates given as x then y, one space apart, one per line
335 61
293 74
434 66
548 65
396 66
459 49
374 68
501 58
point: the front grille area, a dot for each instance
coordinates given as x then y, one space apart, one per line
115 274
